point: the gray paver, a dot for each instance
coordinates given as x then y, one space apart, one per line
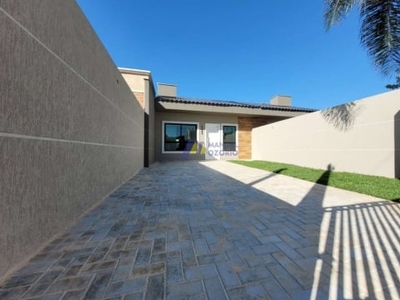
73 295
155 289
227 274
126 287
174 271
98 285
184 290
13 293
206 230
200 272
214 288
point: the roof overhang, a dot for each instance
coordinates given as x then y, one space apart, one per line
178 104
215 109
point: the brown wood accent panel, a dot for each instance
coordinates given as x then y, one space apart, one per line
246 124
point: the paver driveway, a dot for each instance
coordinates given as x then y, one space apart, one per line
216 230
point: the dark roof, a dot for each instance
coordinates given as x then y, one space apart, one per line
232 104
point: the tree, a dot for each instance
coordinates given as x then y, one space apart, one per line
394 86
379 31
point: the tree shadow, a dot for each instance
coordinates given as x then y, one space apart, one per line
342 117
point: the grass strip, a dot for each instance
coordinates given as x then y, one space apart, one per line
381 187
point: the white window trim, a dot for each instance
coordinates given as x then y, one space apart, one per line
236 135
179 122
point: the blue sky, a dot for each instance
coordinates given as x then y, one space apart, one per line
243 50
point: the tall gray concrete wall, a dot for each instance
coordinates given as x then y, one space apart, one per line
361 137
71 130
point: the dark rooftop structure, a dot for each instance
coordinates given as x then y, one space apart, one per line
262 106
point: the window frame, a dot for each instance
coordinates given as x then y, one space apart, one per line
179 123
236 136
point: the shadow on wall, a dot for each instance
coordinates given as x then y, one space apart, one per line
342 117
397 145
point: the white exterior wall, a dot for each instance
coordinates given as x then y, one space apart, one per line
357 137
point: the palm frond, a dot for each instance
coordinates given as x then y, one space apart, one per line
380 33
337 10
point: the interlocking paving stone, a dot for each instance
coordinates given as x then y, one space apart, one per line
49 277
73 270
73 295
200 272
134 296
143 256
172 236
214 288
227 274
98 285
159 245
155 288
68 284
36 290
212 230
285 279
211 258
254 274
174 271
201 247
256 291
146 270
176 246
158 257
234 258
173 255
13 293
274 289
265 249
100 266
126 287
184 290
20 280
48 297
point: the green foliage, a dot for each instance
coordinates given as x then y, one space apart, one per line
381 187
379 30
394 86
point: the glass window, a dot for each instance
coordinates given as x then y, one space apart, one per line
180 137
229 138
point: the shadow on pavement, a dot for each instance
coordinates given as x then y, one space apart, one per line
339 252
188 230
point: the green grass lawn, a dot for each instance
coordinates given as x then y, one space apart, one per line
381 187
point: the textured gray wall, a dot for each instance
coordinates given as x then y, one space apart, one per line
71 131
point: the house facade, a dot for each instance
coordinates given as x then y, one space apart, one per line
196 129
